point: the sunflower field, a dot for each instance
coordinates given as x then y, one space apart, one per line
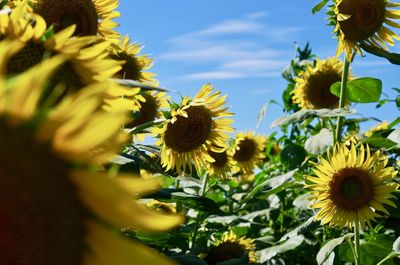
99 165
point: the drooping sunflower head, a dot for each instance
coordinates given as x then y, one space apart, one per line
91 17
149 108
379 127
364 21
247 151
222 166
312 90
230 246
351 185
195 127
134 65
86 62
53 204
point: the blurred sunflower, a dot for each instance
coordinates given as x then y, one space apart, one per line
134 65
55 209
247 151
86 63
222 166
167 208
231 247
351 185
379 127
195 127
150 106
364 21
312 90
91 17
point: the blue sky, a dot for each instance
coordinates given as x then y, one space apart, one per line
239 46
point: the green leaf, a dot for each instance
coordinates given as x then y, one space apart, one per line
302 115
327 249
268 253
319 6
361 90
276 184
380 142
197 202
263 111
301 229
293 155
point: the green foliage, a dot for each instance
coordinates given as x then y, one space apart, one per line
361 90
319 6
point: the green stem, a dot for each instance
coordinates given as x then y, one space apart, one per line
199 217
230 199
342 100
178 203
352 248
357 241
388 257
332 130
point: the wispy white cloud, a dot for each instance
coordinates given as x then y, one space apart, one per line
220 53
228 74
228 51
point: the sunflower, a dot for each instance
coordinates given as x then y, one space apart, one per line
312 90
86 63
364 22
134 65
222 166
195 127
150 105
231 247
379 127
351 185
247 151
54 207
167 208
91 17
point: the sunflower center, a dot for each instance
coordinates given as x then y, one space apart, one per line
246 150
220 158
147 113
225 251
351 189
41 217
318 90
64 13
366 18
187 134
132 67
29 56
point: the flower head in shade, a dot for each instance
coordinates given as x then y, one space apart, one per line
312 90
247 151
230 246
222 166
134 66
